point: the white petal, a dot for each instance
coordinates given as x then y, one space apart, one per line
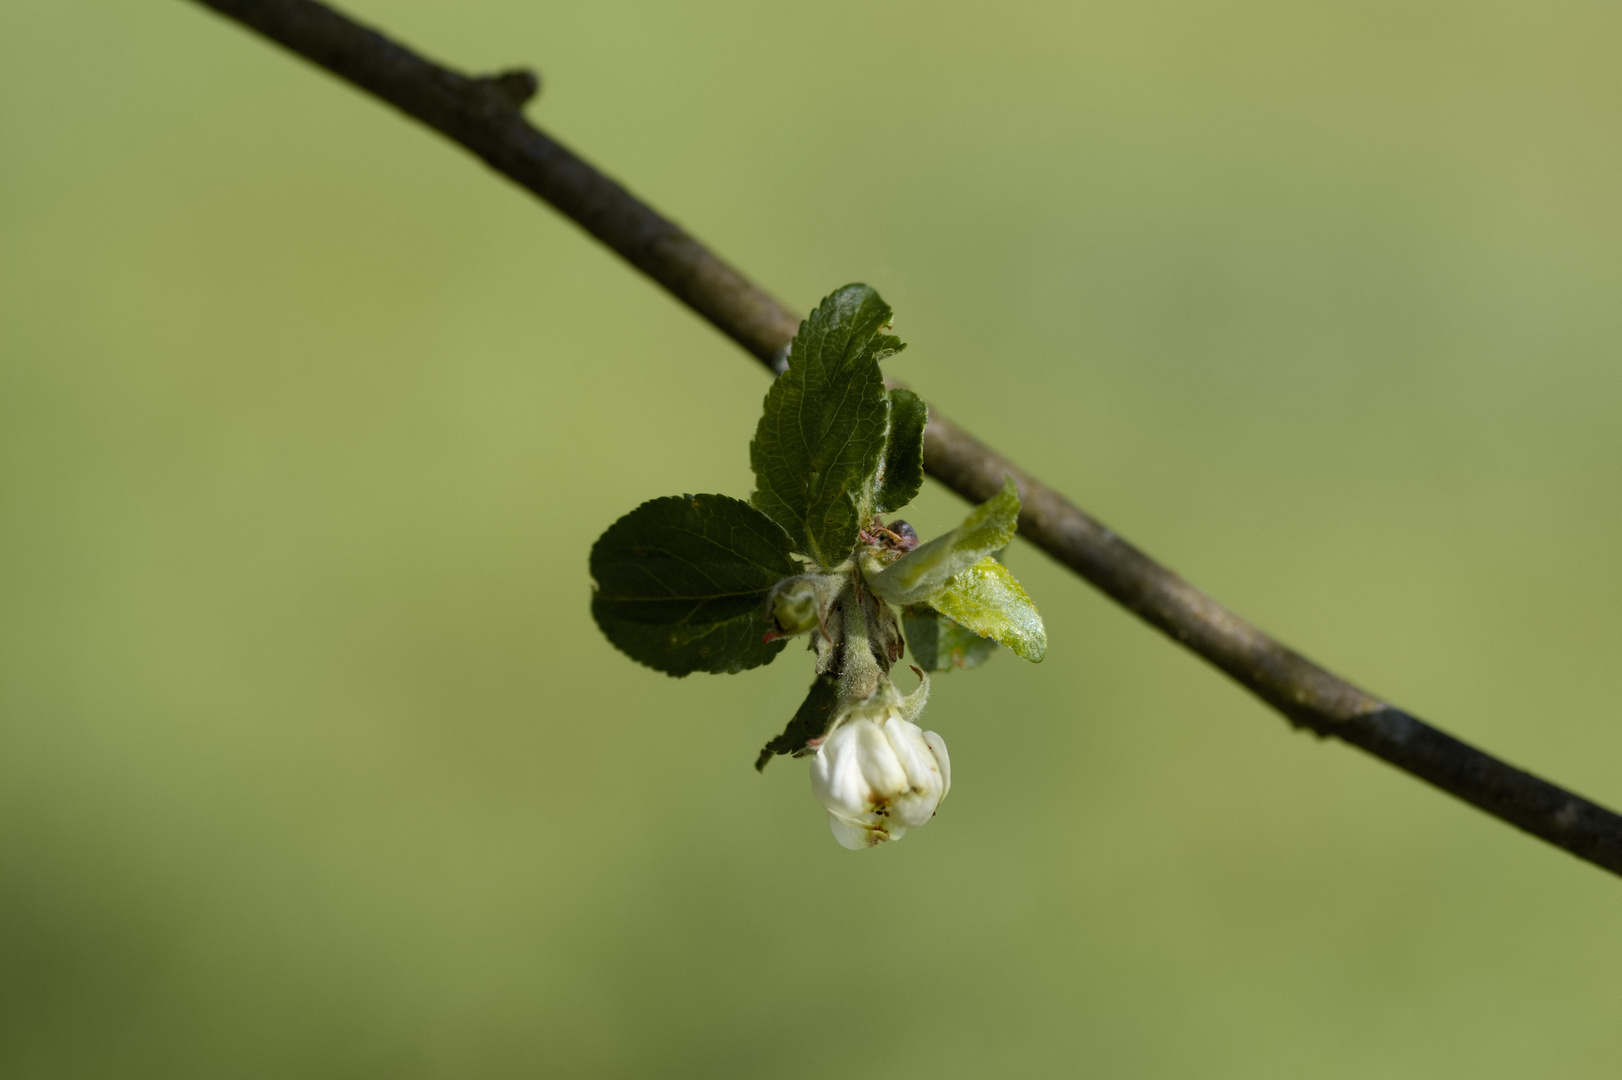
854 837
938 745
880 765
912 811
917 757
836 775
916 805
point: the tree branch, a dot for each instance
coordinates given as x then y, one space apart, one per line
483 115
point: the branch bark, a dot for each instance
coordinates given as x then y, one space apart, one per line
484 115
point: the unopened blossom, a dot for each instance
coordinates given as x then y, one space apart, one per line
878 774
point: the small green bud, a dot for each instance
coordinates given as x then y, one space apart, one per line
794 606
802 603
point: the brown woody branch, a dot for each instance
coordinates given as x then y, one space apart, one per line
484 115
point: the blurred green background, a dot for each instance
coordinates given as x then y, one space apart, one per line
315 765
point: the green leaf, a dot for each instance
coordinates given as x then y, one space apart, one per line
821 434
923 572
987 600
902 473
810 722
682 583
942 644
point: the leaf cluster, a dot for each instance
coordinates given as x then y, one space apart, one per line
687 583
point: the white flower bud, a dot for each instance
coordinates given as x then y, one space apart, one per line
879 775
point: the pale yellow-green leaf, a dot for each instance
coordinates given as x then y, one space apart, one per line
917 576
985 598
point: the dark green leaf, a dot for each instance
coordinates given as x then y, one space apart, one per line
682 583
941 644
810 722
903 471
821 434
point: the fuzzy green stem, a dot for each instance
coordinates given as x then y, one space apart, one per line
859 670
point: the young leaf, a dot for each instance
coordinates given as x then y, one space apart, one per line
941 644
987 600
821 434
682 583
810 721
903 471
921 573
